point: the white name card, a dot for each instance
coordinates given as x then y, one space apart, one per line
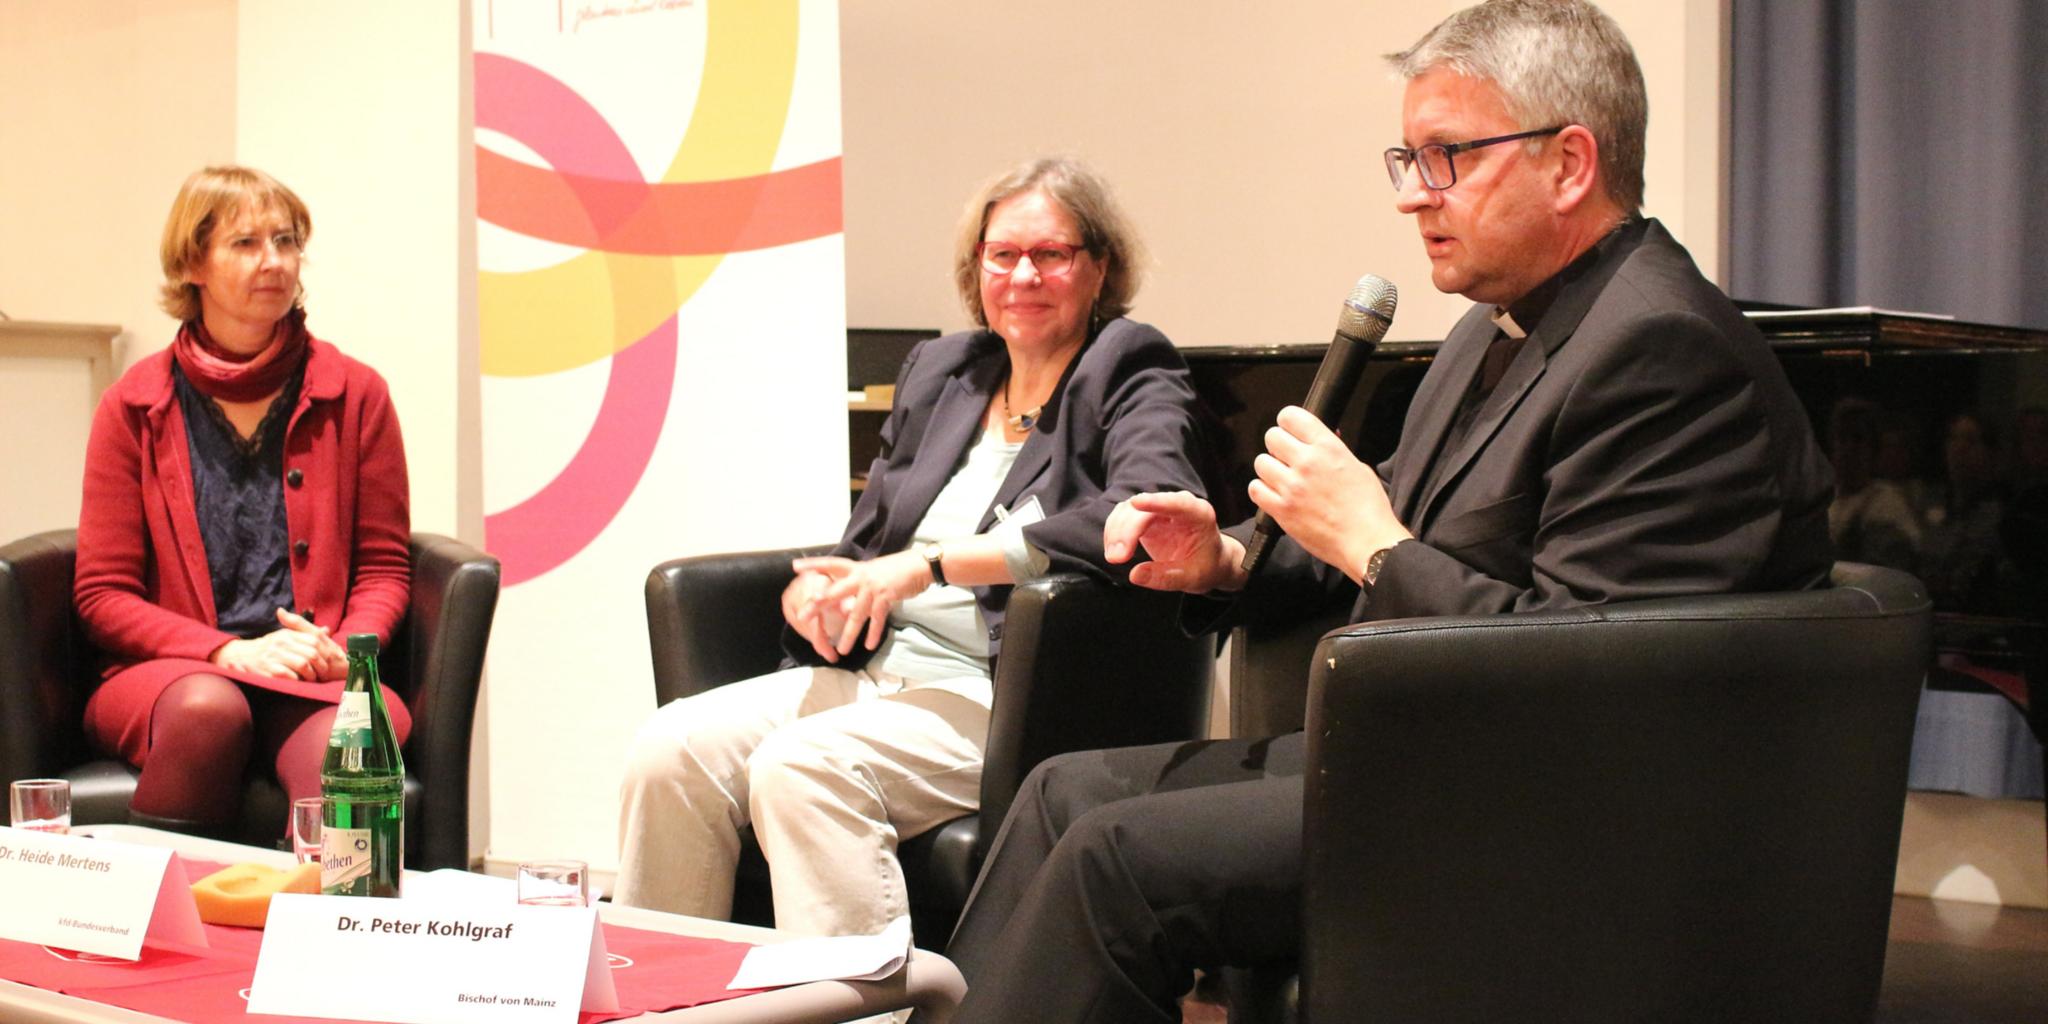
93 895
413 961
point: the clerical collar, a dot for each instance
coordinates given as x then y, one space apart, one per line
1521 316
1505 320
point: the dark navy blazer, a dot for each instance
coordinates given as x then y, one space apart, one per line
1121 422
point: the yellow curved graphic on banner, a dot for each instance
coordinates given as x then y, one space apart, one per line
540 321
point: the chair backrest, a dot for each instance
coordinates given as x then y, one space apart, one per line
713 619
436 662
447 626
46 666
1682 809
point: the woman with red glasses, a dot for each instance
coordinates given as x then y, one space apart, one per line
1007 448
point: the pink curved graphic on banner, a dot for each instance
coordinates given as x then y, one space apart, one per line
528 104
536 108
549 528
564 516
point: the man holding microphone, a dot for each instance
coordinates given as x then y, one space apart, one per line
1604 425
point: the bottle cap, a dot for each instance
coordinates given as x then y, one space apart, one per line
362 643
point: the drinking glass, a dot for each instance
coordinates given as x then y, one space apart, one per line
306 814
40 805
554 883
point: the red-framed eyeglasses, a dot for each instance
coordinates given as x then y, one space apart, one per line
1050 259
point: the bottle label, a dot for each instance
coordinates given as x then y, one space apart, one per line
351 721
344 856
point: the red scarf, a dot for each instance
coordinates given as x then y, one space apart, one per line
224 376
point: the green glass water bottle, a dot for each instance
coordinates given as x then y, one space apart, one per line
362 834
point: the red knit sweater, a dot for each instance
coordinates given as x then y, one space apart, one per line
142 588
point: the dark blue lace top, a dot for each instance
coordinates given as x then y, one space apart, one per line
238 487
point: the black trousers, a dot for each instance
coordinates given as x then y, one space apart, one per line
1119 872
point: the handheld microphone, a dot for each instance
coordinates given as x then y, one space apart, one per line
1368 312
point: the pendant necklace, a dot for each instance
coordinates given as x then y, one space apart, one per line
1023 421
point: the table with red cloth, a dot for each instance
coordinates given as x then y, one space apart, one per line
652 971
664 966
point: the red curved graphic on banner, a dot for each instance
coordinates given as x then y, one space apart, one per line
690 218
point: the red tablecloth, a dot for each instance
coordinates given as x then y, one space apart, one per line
653 971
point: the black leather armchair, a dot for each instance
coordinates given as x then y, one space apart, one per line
435 661
1682 809
1084 665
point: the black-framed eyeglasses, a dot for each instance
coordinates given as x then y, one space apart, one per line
1438 170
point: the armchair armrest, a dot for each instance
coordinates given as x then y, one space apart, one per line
715 619
1674 809
44 660
1087 665
447 628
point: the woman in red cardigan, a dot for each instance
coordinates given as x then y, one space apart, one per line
245 505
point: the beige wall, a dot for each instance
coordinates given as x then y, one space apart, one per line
103 111
1244 139
105 107
359 108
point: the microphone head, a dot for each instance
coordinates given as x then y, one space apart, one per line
1369 309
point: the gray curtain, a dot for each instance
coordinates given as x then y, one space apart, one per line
1891 153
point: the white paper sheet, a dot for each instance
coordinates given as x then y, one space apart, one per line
843 958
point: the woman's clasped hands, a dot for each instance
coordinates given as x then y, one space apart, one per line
834 600
296 650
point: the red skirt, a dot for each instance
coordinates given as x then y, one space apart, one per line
117 715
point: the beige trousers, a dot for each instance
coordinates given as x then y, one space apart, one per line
830 767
